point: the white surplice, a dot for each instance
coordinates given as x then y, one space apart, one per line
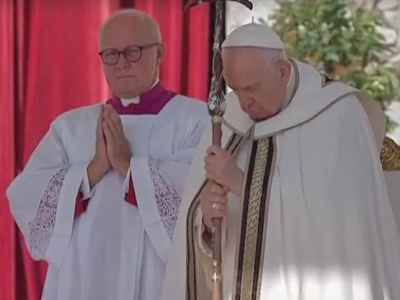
329 231
114 250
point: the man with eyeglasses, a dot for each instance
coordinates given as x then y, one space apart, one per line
100 196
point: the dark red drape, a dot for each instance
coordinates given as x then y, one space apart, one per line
48 65
7 150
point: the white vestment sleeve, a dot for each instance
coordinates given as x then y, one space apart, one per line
158 196
42 198
158 185
158 202
87 192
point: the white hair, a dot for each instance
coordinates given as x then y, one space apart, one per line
273 56
268 54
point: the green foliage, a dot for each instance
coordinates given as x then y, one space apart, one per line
341 40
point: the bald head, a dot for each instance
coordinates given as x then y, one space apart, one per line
131 49
133 23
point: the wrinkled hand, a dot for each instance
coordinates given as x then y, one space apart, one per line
213 203
100 163
221 168
118 149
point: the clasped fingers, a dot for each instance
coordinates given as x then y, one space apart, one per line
113 120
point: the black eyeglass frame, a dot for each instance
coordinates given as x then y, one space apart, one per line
123 52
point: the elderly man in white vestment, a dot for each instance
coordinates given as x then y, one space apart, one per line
299 185
99 197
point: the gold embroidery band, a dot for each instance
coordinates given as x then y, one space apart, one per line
191 287
254 221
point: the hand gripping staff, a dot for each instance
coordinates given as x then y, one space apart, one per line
216 109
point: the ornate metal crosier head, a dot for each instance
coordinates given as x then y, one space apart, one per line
216 99
191 3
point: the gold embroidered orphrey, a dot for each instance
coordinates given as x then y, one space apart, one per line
249 259
253 230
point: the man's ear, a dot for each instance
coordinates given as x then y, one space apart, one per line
160 53
285 68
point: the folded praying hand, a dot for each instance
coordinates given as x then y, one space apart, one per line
112 148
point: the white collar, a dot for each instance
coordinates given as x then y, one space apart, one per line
126 101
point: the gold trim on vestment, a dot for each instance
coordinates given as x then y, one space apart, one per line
390 155
253 231
191 287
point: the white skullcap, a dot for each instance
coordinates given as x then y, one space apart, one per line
254 35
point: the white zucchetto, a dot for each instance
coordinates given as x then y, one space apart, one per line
254 35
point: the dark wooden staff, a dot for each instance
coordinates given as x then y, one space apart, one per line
216 109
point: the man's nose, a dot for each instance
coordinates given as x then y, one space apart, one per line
123 62
244 104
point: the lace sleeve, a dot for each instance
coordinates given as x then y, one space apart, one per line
41 228
168 199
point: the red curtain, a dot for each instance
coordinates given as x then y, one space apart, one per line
7 158
48 65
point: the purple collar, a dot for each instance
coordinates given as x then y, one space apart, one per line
151 102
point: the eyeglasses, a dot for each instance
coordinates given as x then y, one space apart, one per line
131 53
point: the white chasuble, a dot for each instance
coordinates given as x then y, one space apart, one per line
313 221
114 250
